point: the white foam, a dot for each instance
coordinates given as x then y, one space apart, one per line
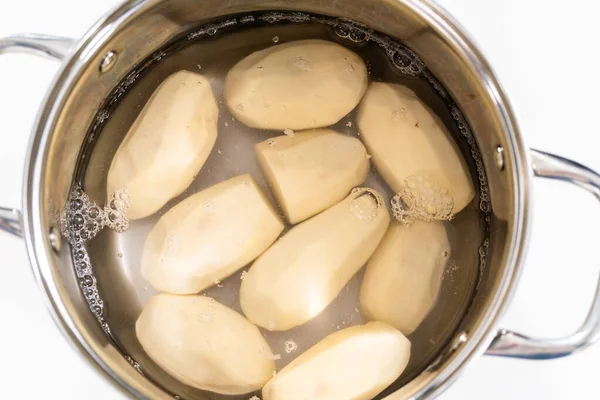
422 199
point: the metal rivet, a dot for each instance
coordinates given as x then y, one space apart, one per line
108 61
499 157
54 237
448 351
459 341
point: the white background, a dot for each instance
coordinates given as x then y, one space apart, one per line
545 53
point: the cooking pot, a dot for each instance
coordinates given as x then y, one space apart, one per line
93 66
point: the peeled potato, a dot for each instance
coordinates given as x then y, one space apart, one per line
298 85
209 236
167 144
204 344
405 139
297 277
404 275
352 364
312 170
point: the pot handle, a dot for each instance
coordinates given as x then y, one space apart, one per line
53 47
512 344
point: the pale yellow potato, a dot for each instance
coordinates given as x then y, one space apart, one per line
209 236
204 344
404 276
312 170
405 138
167 144
297 85
356 363
297 277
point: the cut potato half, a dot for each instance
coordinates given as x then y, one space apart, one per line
312 170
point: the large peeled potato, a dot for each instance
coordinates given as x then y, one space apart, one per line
353 364
209 236
204 344
312 170
406 139
298 85
167 144
297 277
404 275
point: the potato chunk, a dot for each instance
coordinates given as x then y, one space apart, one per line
209 236
406 139
404 275
352 364
312 170
167 144
204 344
297 277
297 85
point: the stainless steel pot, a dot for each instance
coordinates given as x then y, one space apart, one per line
93 66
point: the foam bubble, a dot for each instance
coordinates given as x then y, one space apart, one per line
483 253
289 132
88 284
82 219
422 199
290 346
366 203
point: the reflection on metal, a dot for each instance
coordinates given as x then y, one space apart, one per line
108 61
51 46
499 157
10 221
55 240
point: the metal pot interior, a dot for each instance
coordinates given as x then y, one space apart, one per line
75 122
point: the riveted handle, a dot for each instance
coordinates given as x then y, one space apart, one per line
512 344
53 47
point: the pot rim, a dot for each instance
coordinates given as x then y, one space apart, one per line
39 250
